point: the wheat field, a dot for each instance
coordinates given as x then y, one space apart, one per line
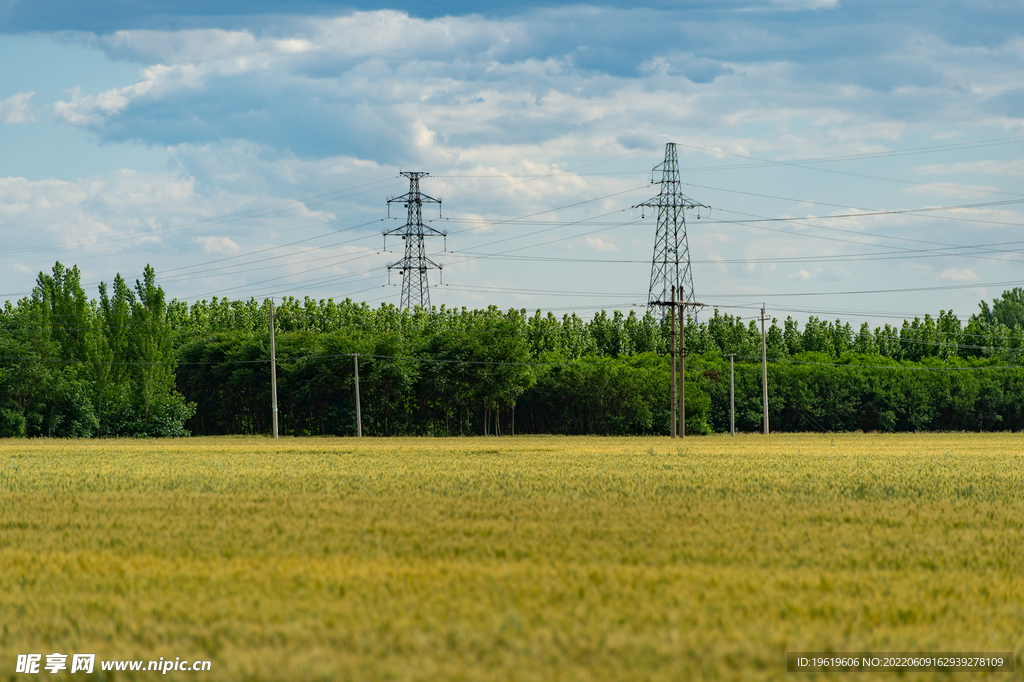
524 558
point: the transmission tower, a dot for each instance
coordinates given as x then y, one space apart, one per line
413 267
670 266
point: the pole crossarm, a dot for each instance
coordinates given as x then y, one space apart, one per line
414 265
685 304
680 304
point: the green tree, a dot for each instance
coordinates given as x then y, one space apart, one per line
1008 309
865 342
141 383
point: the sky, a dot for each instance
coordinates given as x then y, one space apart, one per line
861 161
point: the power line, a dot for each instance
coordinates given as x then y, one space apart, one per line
805 221
558 208
553 292
808 165
164 249
204 222
767 163
876 211
1012 283
235 269
556 225
190 275
530 178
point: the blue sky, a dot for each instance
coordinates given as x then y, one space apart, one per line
249 148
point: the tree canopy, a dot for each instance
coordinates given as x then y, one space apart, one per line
130 363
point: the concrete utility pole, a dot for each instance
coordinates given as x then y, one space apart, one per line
273 368
732 396
359 412
672 354
764 371
677 306
682 364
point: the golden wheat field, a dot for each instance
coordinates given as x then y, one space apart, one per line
525 558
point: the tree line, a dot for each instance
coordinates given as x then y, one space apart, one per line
130 363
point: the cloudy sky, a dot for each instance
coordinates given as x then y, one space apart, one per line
862 160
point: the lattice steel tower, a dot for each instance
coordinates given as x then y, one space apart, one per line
671 263
413 267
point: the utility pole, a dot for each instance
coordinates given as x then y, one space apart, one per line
677 306
682 369
273 368
359 413
670 265
413 267
672 353
764 372
732 397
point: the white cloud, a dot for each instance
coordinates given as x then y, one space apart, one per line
992 167
386 34
951 190
17 109
955 275
827 273
599 244
120 221
805 4
501 109
402 89
157 82
219 245
95 214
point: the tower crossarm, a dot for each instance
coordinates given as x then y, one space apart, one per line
415 263
413 201
427 230
662 200
409 197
